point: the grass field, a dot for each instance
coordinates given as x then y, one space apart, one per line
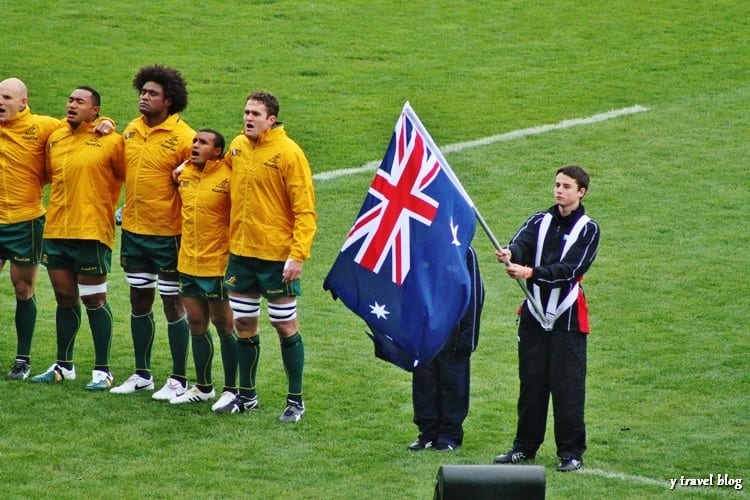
669 370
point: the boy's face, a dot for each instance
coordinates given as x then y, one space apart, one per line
567 193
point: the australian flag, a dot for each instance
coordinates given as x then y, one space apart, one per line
402 267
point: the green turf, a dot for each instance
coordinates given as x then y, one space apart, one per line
669 293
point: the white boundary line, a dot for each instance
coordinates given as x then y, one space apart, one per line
516 134
630 478
625 477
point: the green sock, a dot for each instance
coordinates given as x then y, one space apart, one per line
293 356
248 354
142 329
67 323
25 322
229 349
203 355
100 320
179 341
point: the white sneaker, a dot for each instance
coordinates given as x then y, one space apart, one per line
225 398
172 388
100 381
135 383
193 395
55 374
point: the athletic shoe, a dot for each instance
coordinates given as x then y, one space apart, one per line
514 456
570 464
240 404
225 398
193 395
172 388
55 374
293 412
134 383
118 216
420 444
100 381
19 371
444 447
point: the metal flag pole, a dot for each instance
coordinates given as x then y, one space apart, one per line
533 303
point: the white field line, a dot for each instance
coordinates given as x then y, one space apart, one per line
515 134
631 478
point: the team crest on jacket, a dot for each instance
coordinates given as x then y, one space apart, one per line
222 187
273 162
171 143
31 134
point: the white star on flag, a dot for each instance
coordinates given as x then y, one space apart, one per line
454 232
379 311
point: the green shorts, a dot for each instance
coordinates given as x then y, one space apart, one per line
154 254
200 287
250 276
21 243
82 256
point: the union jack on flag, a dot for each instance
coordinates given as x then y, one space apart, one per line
400 191
402 267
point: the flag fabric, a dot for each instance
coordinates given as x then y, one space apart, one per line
402 267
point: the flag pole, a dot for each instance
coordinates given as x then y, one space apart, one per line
498 246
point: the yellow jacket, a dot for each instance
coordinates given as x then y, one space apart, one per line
204 248
273 200
23 140
86 170
152 204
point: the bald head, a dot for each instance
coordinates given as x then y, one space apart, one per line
13 98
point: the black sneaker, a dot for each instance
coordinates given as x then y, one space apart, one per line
570 464
293 412
420 444
240 404
19 371
513 456
444 447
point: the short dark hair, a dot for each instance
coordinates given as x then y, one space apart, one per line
219 141
170 79
575 172
268 99
95 97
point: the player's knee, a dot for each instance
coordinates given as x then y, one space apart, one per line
282 312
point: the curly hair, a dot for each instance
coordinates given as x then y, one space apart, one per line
267 99
170 79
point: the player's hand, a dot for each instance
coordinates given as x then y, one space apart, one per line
104 127
503 255
519 272
292 271
178 170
